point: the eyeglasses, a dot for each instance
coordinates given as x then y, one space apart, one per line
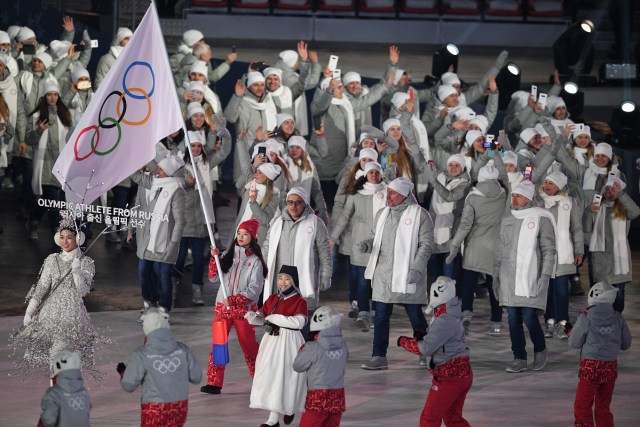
295 203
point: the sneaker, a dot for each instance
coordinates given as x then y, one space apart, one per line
353 313
422 361
197 295
540 360
518 365
377 363
495 330
211 389
466 320
550 328
561 331
145 308
363 321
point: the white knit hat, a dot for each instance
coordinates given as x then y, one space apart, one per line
59 49
301 192
270 170
13 31
443 290
196 86
64 360
283 117
193 108
540 130
527 134
481 121
458 158
462 113
171 164
612 179
372 166
472 135
602 293
122 33
4 38
272 70
399 99
402 185
351 77
521 97
364 136
152 320
254 77
197 137
50 86
510 157
525 188
289 57
191 37
554 102
368 153
25 33
449 78
399 73
446 90
297 141
558 178
79 72
257 147
324 317
274 146
604 148
389 123
586 130
45 58
199 67
487 172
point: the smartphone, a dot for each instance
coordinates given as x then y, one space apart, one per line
94 44
29 49
534 92
252 187
262 150
233 49
336 74
197 96
333 63
579 126
84 85
491 138
527 172
597 199
411 94
542 100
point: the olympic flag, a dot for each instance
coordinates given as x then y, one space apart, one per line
134 108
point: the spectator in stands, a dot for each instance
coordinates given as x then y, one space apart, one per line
108 59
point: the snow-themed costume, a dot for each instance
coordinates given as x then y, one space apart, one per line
164 368
324 360
276 386
600 333
450 365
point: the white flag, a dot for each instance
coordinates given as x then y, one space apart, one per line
135 107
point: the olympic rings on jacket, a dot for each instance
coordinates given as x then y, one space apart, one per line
166 365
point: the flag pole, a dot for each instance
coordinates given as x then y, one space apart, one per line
199 187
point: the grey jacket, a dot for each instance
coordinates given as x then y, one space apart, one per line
324 360
67 403
104 65
600 333
164 367
212 75
383 275
245 277
263 215
505 263
479 227
445 340
52 149
575 231
457 195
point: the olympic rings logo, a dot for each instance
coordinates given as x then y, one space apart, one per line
166 365
121 110
76 403
334 354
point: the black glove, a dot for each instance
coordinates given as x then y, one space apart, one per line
419 335
121 368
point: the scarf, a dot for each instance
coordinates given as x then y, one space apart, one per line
184 49
26 83
591 175
300 177
404 250
262 190
116 50
564 244
284 96
38 158
204 174
267 107
443 222
580 154
162 190
351 123
378 193
303 255
300 114
526 256
619 231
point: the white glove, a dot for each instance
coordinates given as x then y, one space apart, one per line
325 283
31 309
75 266
543 282
254 318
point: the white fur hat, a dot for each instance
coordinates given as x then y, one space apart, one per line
458 158
283 117
399 99
122 33
324 317
525 188
59 49
194 108
351 77
297 141
50 86
401 185
604 148
153 320
472 135
196 86
254 77
527 134
13 31
372 166
521 97
449 78
462 113
270 170
45 58
446 90
510 157
586 130
481 121
199 67
554 102
79 72
399 73
191 37
171 164
289 57
25 33
368 153
487 172
389 123
64 360
272 70
197 137
301 192
602 293
4 38
558 178
443 290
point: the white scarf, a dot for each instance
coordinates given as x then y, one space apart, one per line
284 96
468 162
162 189
303 257
38 158
619 231
300 177
262 190
591 175
116 50
564 244
267 106
404 250
526 256
26 83
204 173
443 222
351 123
378 193
580 154
300 114
184 49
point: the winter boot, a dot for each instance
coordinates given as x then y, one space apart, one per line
550 329
197 294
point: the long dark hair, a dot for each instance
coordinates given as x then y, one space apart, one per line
43 110
226 260
359 184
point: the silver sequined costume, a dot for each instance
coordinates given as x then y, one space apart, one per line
62 320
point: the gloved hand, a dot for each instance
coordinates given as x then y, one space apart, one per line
75 265
431 174
254 318
502 59
31 309
325 283
403 339
413 277
220 121
453 252
543 282
362 247
121 368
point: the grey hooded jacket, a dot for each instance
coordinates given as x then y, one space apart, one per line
600 332
445 340
324 360
67 403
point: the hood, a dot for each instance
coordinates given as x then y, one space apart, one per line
490 188
453 308
331 338
70 381
601 314
161 341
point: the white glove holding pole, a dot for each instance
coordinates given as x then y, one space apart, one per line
31 310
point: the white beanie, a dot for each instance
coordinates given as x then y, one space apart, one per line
472 135
364 136
389 123
446 90
604 148
64 360
525 188
481 121
161 152
4 38
197 137
13 31
199 67
586 130
152 321
24 34
372 166
196 86
272 70
59 49
274 146
399 73
602 293
443 290
171 164
283 117
257 147
449 78
558 178
193 108
510 157
50 86
612 179
122 33
368 153
270 170
254 77
458 158
462 113
399 99
553 102
540 130
79 72
487 172
527 134
521 97
289 57
191 37
351 77
297 141
45 58
401 185
299 191
323 318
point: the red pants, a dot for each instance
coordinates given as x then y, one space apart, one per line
586 394
320 419
172 414
247 338
445 402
